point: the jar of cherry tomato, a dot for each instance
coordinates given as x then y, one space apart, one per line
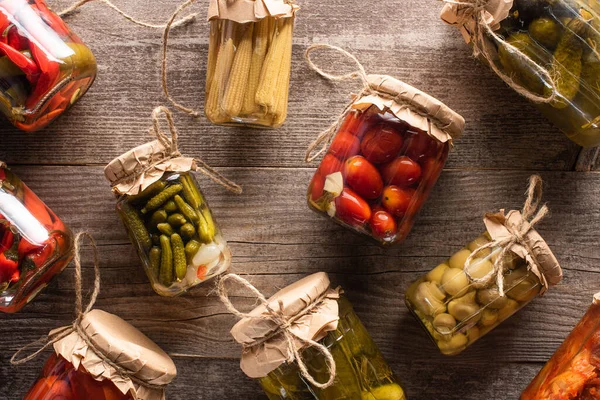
121 364
386 155
572 372
35 245
44 66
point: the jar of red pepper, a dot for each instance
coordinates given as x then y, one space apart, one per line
35 245
44 66
387 152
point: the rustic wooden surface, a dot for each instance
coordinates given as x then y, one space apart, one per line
273 235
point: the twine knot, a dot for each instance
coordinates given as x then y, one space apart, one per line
531 214
283 325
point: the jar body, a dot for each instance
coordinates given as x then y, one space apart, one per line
559 37
248 74
456 310
175 234
362 373
572 372
44 66
60 380
386 169
35 244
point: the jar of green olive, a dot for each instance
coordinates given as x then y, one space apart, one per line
311 310
461 300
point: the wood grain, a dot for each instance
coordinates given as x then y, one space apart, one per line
274 237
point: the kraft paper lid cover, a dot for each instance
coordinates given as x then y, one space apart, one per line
494 12
292 301
243 11
126 347
413 106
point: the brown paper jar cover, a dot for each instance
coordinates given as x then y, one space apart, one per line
243 11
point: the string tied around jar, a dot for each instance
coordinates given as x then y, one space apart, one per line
283 324
476 10
80 312
531 214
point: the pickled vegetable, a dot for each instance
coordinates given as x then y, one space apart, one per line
168 223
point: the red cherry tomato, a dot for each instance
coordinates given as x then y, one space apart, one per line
401 172
419 145
351 123
397 200
329 165
344 145
351 208
363 177
381 144
316 186
383 225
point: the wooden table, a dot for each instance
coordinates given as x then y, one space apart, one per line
274 237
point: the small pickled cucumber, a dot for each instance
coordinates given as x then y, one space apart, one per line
161 198
158 217
190 193
170 207
154 257
206 227
545 31
191 248
590 74
136 226
187 231
176 220
186 209
179 258
165 229
166 261
147 193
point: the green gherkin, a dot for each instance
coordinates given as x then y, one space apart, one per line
546 31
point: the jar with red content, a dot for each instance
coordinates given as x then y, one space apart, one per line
384 159
572 372
44 66
35 245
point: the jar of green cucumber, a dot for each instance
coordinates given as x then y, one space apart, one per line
547 50
318 322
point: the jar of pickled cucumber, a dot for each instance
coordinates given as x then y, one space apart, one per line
459 301
44 67
572 372
548 51
249 62
35 245
316 312
78 371
167 218
385 157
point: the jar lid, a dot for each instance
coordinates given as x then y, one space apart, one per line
243 11
494 12
134 357
311 306
413 106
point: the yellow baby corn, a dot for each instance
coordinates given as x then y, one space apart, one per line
224 61
283 83
262 34
238 77
213 51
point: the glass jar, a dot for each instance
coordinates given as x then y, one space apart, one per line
248 75
61 380
362 372
44 66
377 173
175 234
572 372
457 309
35 245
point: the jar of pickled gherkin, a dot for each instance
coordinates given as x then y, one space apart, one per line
35 245
106 359
44 66
249 62
310 324
166 215
385 155
572 372
484 283
547 50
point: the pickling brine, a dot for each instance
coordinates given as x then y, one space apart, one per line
175 234
44 66
35 245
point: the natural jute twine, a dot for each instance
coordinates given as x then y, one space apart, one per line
283 324
325 137
530 216
59 334
171 144
476 9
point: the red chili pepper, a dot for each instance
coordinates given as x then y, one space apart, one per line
39 257
7 240
52 19
26 64
9 269
50 73
15 40
25 247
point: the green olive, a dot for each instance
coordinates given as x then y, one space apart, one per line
453 346
473 334
455 282
509 309
525 290
513 277
444 323
435 275
491 298
481 268
426 299
477 243
391 391
545 31
458 259
489 317
464 308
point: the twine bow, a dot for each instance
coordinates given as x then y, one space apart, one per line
283 324
59 334
476 9
531 214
